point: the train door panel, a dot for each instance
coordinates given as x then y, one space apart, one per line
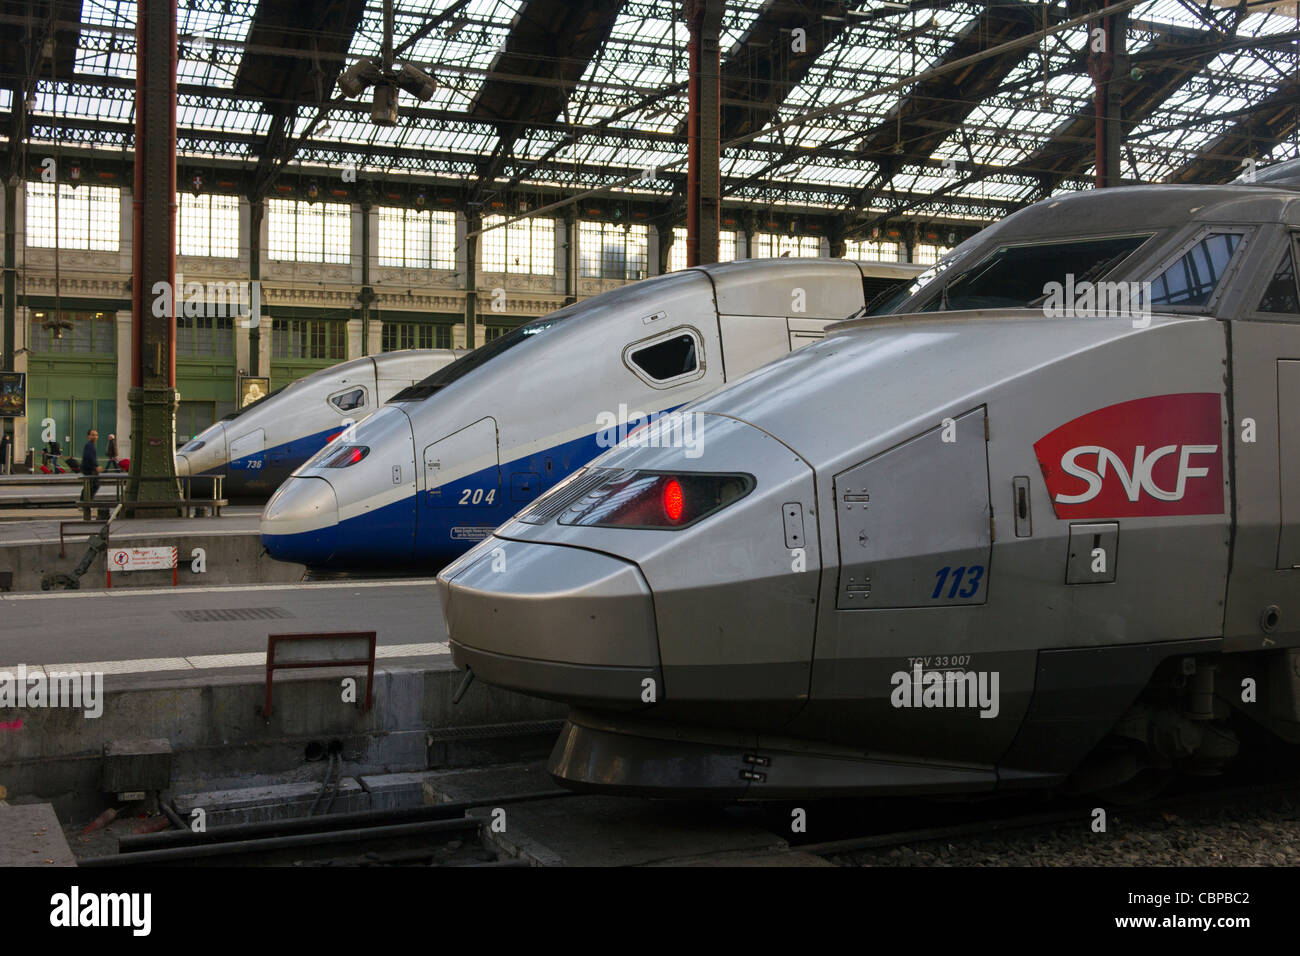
913 531
914 521
463 470
246 451
460 496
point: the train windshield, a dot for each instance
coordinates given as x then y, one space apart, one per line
475 359
1018 276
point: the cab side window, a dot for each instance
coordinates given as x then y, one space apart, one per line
349 400
1281 293
1193 278
668 359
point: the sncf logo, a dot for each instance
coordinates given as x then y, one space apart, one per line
1151 456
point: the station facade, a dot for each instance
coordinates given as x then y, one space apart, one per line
73 319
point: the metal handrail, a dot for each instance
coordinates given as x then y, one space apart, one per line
118 480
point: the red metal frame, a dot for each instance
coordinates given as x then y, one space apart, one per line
271 666
64 525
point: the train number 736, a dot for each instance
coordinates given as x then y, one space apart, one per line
975 572
477 496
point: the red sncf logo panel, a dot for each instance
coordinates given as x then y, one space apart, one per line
1161 455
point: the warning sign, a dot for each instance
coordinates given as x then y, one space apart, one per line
142 559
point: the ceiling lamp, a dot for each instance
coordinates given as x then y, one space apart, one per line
387 76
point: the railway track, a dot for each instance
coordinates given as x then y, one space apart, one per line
450 834
441 834
1077 813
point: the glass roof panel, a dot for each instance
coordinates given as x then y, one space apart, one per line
458 52
624 114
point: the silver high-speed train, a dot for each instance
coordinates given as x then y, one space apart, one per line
260 445
1039 528
449 459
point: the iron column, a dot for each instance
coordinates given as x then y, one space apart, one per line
153 396
703 132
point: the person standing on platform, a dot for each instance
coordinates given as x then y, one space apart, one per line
111 454
90 466
6 453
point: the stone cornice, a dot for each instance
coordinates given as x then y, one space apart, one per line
101 286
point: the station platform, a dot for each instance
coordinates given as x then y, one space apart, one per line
32 836
232 549
188 666
151 634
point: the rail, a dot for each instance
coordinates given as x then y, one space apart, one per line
188 502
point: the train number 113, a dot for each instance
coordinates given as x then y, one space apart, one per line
972 583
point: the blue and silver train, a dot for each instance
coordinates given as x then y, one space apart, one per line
260 445
451 458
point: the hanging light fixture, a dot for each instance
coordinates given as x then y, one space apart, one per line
56 325
386 76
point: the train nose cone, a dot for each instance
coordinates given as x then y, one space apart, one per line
554 622
182 465
300 522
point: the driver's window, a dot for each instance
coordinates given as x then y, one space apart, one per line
1281 295
349 400
1193 278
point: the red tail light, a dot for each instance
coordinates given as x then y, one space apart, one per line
647 499
674 500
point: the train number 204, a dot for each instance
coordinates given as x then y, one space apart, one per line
976 572
477 496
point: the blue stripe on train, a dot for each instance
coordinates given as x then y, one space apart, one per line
264 471
433 527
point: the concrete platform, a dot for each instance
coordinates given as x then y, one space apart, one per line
31 835
29 550
214 629
188 667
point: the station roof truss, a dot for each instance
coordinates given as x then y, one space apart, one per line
569 96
